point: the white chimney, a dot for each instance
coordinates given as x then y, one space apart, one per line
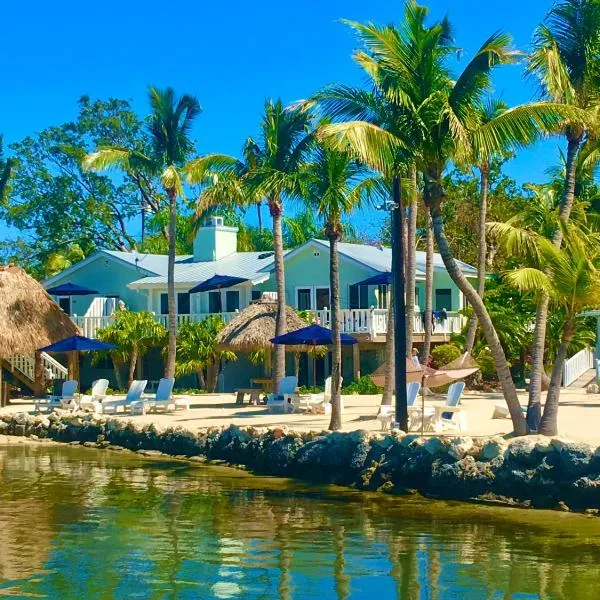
214 240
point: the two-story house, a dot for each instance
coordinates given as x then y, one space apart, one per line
139 282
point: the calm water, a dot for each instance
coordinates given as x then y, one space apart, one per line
79 523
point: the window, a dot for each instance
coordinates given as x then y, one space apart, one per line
443 299
363 296
256 295
214 302
232 301
382 296
164 304
303 298
183 303
322 298
65 304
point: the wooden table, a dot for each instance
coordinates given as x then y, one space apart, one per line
266 383
253 392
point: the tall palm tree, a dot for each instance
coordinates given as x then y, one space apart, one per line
170 125
280 154
337 184
566 60
428 308
409 67
6 165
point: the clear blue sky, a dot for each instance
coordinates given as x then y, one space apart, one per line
231 55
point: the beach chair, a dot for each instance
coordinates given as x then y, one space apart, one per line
66 398
282 401
387 412
136 389
162 400
321 403
93 400
451 416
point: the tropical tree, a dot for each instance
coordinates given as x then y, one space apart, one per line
197 351
134 333
409 68
428 308
566 61
5 170
337 184
169 126
280 154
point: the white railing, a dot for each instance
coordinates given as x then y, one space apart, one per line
25 363
577 365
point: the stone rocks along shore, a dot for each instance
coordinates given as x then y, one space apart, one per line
530 471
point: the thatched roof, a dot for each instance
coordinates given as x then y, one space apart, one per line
29 318
254 327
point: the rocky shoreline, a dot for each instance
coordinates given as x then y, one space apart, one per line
530 471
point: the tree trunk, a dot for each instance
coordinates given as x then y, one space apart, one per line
172 345
117 369
389 364
212 376
411 262
201 378
336 347
504 375
484 171
132 364
259 215
280 319
541 317
428 310
297 365
549 422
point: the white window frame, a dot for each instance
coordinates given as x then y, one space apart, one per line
313 294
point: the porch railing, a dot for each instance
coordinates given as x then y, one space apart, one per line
577 365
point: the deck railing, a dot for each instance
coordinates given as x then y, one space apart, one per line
577 365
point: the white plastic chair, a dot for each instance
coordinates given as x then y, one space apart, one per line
387 412
136 389
282 401
65 400
451 416
94 399
321 403
163 399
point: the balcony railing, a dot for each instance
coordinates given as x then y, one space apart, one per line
370 321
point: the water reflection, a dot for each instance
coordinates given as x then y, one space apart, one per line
80 523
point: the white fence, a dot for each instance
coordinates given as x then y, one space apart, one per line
577 365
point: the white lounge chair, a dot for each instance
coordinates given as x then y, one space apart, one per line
282 401
66 399
93 400
162 400
451 416
136 389
321 403
387 412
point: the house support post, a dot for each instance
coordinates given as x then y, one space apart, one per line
38 375
356 361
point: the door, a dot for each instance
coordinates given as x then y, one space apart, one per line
214 302
443 299
65 303
322 298
303 299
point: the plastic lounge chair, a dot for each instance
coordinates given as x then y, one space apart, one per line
163 399
387 412
136 389
66 398
93 401
451 416
282 401
321 403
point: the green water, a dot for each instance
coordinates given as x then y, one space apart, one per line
79 523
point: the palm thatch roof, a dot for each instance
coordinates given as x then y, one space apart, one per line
29 318
253 328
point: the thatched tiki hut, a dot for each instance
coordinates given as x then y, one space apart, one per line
253 328
29 318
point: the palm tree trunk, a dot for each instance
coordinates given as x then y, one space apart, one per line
389 372
117 369
280 320
411 262
549 422
428 311
336 347
172 345
212 373
259 215
504 375
201 379
132 364
484 171
541 317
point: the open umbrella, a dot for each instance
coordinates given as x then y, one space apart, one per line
217 282
71 289
74 344
313 335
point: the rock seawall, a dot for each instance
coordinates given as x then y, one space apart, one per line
530 471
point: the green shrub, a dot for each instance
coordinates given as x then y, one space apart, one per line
305 389
443 354
486 363
364 386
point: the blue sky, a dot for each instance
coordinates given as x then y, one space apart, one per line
231 55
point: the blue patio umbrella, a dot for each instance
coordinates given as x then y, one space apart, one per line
379 279
71 289
217 282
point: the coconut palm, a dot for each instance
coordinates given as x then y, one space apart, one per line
169 125
280 156
439 116
566 61
428 308
336 185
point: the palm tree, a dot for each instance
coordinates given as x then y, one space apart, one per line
428 308
197 352
6 165
565 60
438 113
488 112
337 184
280 156
169 124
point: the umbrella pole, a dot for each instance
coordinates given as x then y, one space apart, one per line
314 365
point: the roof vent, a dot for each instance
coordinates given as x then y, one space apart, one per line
265 255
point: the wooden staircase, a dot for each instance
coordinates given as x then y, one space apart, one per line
22 368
